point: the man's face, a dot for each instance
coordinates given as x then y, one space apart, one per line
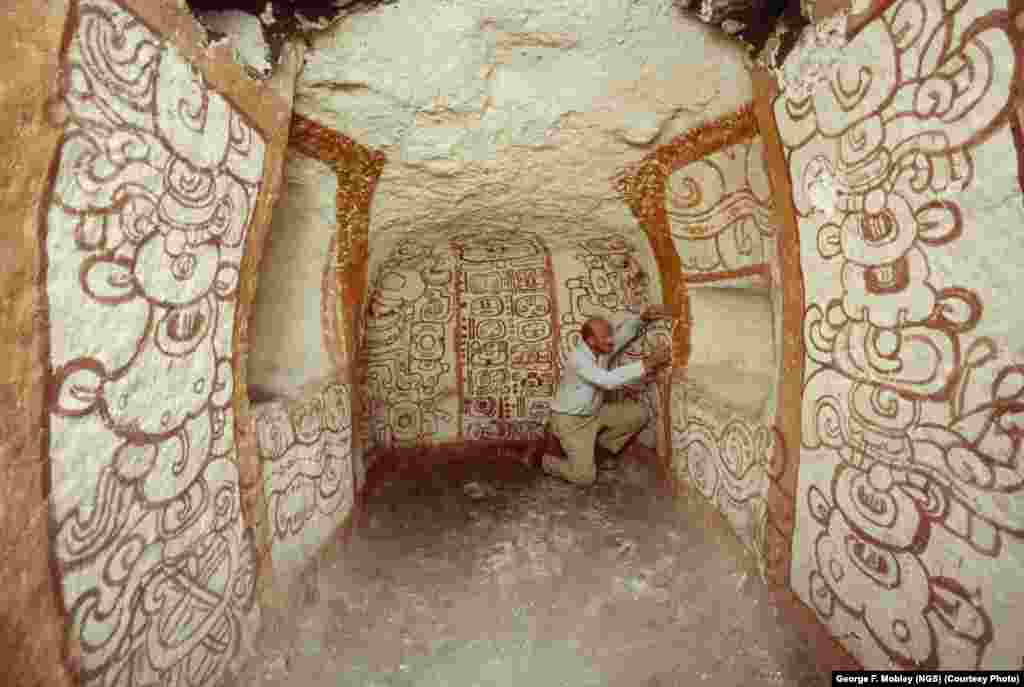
601 342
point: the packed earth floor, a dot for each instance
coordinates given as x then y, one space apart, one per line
499 575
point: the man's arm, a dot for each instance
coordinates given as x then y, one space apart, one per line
608 380
626 332
631 327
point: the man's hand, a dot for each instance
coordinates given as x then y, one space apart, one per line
649 377
658 358
656 312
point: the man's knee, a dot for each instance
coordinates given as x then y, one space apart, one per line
635 414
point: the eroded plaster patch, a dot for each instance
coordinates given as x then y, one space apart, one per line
815 58
245 34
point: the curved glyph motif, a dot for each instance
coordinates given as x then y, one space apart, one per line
155 189
728 459
306 452
720 213
912 478
409 353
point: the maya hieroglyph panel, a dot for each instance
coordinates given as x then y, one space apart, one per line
721 213
507 334
306 452
614 277
157 181
464 335
910 507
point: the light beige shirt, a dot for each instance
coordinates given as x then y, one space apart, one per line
586 376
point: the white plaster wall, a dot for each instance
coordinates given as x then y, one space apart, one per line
733 351
288 350
146 228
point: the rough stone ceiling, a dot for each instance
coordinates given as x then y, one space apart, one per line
505 115
261 27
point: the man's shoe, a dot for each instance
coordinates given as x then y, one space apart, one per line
534 454
605 459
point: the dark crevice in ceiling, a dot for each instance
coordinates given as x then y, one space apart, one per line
291 18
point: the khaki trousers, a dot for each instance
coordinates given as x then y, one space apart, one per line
578 434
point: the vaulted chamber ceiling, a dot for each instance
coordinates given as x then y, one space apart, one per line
495 118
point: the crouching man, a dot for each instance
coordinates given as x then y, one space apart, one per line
579 416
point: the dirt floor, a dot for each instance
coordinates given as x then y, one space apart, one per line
480 575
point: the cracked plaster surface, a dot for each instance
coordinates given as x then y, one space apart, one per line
498 116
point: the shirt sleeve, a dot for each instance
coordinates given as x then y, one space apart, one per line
626 332
588 370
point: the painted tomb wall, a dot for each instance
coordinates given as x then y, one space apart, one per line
843 263
140 220
290 351
905 178
305 447
705 202
465 336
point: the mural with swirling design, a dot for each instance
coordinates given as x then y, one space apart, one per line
910 509
727 458
306 451
155 187
464 336
707 194
721 216
408 347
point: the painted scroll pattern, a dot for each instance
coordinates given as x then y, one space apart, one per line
412 389
305 448
155 187
727 459
910 516
720 214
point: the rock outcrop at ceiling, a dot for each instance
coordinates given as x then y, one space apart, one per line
503 117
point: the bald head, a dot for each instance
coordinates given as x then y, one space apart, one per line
597 334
